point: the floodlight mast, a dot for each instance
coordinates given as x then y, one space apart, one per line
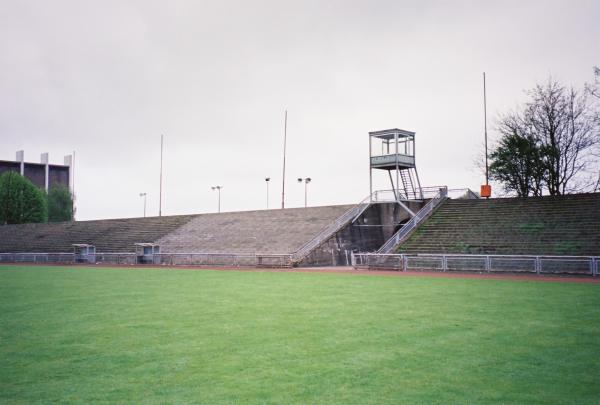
144 195
218 188
267 180
305 181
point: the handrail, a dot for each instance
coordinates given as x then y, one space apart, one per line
350 216
330 229
421 215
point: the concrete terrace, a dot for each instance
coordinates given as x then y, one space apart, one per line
552 225
264 231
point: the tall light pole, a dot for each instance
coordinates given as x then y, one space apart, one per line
487 176
486 190
218 188
306 181
144 195
267 180
284 147
161 177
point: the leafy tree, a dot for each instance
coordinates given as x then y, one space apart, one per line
20 200
516 163
60 204
547 144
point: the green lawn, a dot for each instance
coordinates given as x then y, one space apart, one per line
182 336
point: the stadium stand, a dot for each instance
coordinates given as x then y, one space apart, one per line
265 231
552 225
110 235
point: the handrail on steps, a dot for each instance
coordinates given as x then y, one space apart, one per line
408 227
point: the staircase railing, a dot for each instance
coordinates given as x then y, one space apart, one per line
331 229
354 213
408 227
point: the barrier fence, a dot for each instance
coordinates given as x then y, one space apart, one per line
584 265
167 259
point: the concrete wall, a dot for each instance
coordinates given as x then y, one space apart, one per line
367 234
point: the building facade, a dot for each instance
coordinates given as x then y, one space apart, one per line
43 174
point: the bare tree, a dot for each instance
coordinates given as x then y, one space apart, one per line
594 88
556 132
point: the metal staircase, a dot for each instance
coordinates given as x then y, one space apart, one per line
412 189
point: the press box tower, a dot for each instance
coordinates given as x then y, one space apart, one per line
394 150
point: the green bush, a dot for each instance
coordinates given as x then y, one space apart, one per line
21 201
60 204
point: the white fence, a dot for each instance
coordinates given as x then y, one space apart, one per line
584 265
223 259
167 259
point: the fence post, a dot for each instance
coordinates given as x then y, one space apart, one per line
538 265
444 263
404 263
594 266
488 264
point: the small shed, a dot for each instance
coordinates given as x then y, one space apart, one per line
84 253
145 252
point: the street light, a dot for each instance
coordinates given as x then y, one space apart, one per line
267 180
144 195
306 181
218 188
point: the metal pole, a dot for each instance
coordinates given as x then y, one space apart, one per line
305 193
284 147
370 172
267 180
218 188
487 177
73 187
161 171
398 170
144 195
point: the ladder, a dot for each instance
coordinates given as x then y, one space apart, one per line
408 182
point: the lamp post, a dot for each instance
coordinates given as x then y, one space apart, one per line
267 180
306 181
144 195
218 188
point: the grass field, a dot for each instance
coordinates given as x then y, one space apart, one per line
179 336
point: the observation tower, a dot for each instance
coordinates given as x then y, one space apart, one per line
394 150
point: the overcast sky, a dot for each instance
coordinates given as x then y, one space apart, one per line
106 78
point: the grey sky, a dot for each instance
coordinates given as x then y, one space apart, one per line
106 78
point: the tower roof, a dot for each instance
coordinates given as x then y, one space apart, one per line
391 133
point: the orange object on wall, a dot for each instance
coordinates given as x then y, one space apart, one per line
486 191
